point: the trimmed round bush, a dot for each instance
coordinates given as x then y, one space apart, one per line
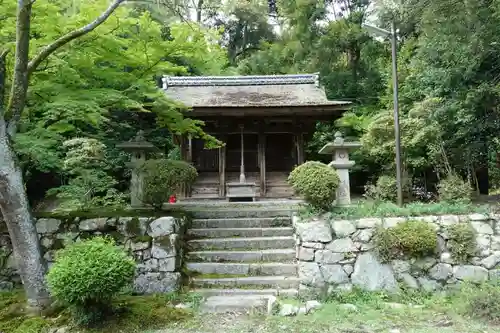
316 182
454 189
163 178
414 239
87 275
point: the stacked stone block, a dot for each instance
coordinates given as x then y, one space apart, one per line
154 242
340 254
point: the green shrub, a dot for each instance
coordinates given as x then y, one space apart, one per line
385 189
415 239
163 177
454 189
87 275
316 182
482 301
462 241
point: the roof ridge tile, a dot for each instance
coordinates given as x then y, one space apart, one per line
240 80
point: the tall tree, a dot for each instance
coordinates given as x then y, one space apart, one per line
13 199
42 58
245 27
456 59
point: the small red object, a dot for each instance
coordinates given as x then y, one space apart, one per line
172 199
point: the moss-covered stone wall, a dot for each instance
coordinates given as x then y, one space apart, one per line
427 252
154 240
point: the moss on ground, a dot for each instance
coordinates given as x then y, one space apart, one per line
33 325
134 314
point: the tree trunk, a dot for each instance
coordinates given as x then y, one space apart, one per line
482 172
14 204
199 9
13 199
16 213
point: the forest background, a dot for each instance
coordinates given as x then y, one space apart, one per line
102 88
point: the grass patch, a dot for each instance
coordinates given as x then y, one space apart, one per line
184 297
133 314
415 312
389 209
375 299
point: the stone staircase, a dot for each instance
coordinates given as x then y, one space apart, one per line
240 254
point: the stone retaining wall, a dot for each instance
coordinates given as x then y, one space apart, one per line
155 243
339 254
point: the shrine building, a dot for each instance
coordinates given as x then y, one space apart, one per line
263 120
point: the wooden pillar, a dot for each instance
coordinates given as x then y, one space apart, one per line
300 147
189 157
182 147
242 166
262 162
222 171
183 150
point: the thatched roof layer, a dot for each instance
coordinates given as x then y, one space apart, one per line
248 91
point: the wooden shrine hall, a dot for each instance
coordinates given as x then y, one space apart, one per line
263 121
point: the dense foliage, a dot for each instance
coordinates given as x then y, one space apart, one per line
101 90
103 87
163 178
87 275
448 73
316 182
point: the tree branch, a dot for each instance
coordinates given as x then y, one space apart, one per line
23 68
19 87
51 48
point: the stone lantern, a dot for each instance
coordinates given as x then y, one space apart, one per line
339 149
138 147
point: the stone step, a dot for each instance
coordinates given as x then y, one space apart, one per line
238 292
261 282
257 269
240 213
250 304
193 204
270 255
240 232
247 243
225 223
